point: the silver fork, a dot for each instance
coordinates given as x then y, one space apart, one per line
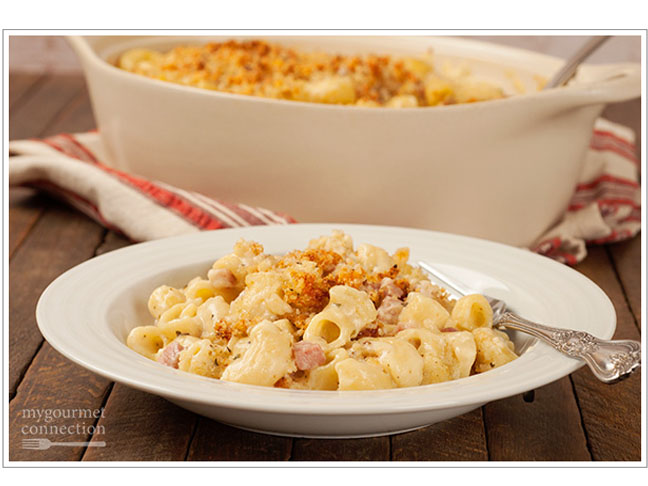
610 361
44 444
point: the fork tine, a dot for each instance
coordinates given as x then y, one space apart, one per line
452 285
31 445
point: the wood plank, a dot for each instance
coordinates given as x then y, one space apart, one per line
61 239
626 257
546 429
612 416
70 396
459 439
20 85
138 426
75 117
214 441
611 413
112 241
48 101
25 207
372 449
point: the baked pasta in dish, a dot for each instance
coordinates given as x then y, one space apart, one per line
329 317
259 68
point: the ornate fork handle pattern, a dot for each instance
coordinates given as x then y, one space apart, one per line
610 361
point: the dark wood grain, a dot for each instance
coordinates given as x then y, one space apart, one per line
139 426
59 240
55 383
371 449
20 85
25 207
75 117
459 439
626 257
49 100
546 429
111 241
611 413
214 441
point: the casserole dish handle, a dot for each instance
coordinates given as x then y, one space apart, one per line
80 46
612 83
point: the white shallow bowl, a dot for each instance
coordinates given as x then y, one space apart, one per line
87 313
504 170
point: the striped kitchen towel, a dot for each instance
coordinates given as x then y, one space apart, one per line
606 205
605 208
71 168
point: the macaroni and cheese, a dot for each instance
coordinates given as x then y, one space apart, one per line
330 317
259 68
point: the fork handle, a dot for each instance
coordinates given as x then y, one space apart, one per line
610 361
76 444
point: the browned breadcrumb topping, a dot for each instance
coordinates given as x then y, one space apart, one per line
326 260
372 330
254 247
259 68
283 382
306 287
305 290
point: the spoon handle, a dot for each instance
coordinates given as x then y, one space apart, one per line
610 361
568 71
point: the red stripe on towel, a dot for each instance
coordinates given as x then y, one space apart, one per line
90 156
607 178
166 198
608 141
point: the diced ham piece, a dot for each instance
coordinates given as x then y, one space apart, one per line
221 277
389 289
449 329
405 325
308 355
389 310
170 355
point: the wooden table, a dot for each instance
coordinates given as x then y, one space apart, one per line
574 419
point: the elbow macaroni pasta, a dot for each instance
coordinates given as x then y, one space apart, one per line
329 317
259 68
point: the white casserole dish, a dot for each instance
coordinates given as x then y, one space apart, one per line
502 170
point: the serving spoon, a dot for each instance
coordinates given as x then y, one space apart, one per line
571 65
